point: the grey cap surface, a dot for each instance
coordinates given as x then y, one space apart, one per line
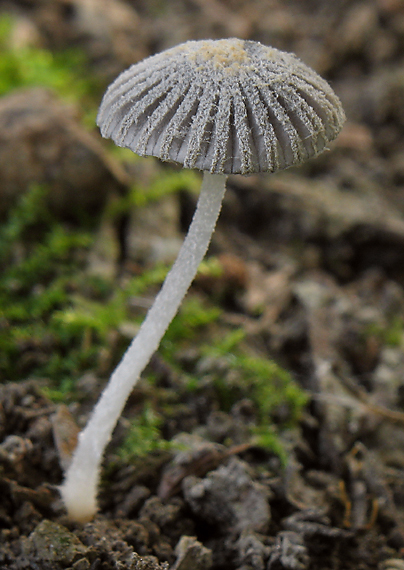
225 106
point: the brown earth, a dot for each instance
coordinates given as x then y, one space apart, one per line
320 251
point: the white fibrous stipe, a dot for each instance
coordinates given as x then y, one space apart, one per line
226 106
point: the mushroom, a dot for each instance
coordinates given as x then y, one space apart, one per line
224 107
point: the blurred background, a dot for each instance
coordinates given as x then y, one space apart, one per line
304 281
341 214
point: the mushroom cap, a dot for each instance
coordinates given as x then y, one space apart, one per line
226 106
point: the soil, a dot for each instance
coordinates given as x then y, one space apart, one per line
319 251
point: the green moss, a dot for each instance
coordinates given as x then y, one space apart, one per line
267 437
391 333
164 183
64 393
234 374
64 72
55 318
266 383
144 436
194 314
38 261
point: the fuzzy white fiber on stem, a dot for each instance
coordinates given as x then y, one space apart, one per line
79 489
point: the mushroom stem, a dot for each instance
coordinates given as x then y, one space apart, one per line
79 490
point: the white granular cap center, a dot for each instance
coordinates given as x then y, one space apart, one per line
223 54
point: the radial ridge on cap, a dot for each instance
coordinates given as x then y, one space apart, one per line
225 106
